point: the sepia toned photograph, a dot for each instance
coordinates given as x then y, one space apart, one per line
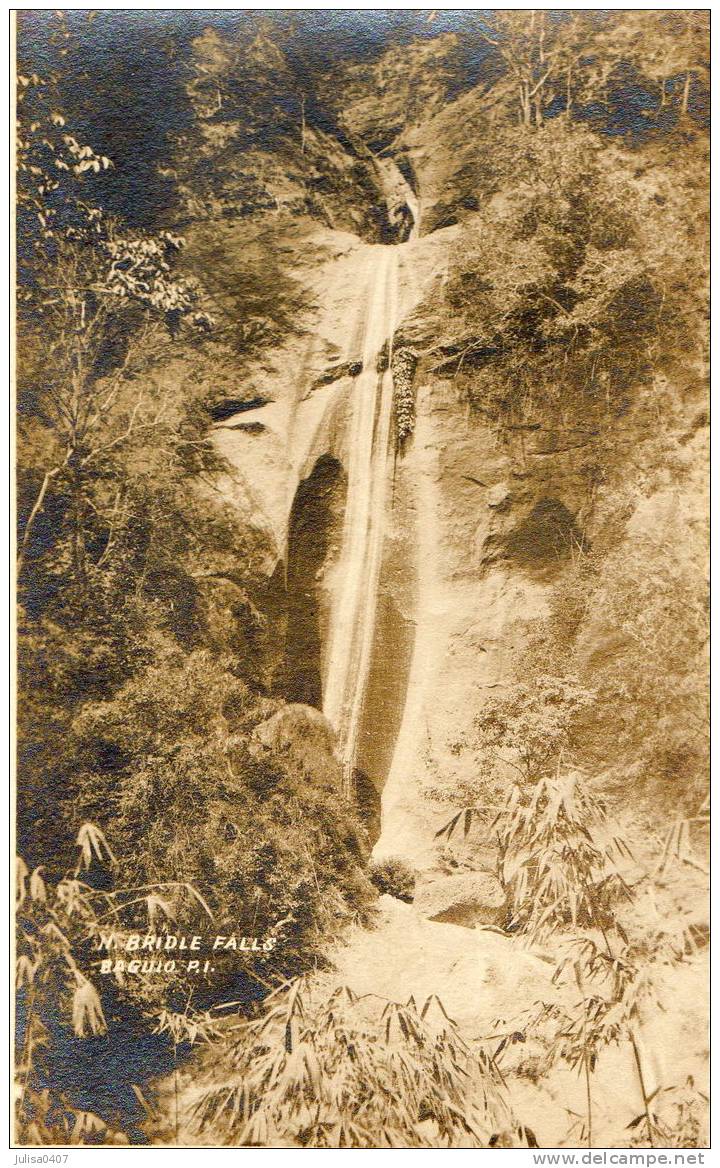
361 410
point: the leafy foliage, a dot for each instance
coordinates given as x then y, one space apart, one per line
403 364
582 64
533 724
329 1072
550 861
255 143
196 796
573 297
555 868
140 631
567 291
563 871
62 1002
393 876
676 1117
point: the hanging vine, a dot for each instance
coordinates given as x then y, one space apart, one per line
403 366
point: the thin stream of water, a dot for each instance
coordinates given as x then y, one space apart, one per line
352 620
368 460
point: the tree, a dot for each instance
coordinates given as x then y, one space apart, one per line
248 117
577 61
193 794
674 47
525 43
88 286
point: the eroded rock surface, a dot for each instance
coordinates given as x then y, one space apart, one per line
479 975
467 898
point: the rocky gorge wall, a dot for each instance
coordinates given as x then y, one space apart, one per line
487 517
444 617
481 522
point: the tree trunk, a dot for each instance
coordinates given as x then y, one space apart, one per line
36 509
78 531
686 92
541 85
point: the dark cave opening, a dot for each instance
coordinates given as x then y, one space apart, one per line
315 519
315 531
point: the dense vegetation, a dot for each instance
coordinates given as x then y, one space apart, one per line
573 321
144 648
575 310
153 789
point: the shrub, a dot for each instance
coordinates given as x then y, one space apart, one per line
553 861
70 1016
197 797
403 365
336 1071
394 877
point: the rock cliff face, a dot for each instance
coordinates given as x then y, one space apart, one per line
386 533
469 609
479 528
485 520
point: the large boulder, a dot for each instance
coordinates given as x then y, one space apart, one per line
480 976
467 898
302 739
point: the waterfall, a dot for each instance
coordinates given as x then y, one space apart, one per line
369 465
